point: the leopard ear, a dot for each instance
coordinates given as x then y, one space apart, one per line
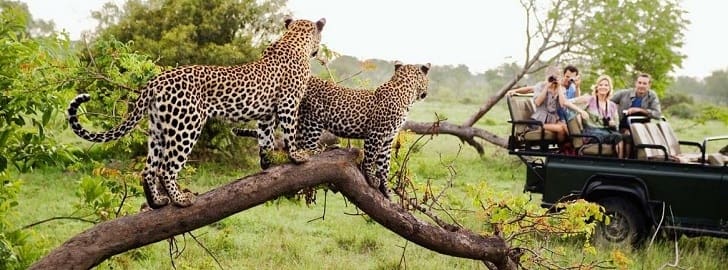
320 24
288 21
397 65
425 68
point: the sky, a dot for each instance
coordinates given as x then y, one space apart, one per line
479 34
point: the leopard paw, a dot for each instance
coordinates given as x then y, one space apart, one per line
185 199
158 201
384 190
373 181
299 156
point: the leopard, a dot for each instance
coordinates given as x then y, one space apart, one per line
179 102
374 116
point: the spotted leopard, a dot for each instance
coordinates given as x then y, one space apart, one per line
375 116
180 101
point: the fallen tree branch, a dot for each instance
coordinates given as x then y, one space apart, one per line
106 239
467 134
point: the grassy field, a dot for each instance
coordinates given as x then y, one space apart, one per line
290 235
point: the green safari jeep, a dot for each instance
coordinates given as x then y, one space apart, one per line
658 188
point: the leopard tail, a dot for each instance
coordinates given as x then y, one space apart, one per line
133 118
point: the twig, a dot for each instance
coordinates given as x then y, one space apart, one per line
57 218
403 258
662 217
676 262
323 216
350 76
206 250
171 250
123 197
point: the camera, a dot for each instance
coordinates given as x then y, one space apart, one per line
605 121
552 79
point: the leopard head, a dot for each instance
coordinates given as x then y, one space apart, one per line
415 78
307 29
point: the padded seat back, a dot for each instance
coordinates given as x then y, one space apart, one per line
521 108
641 135
656 134
673 144
575 127
717 159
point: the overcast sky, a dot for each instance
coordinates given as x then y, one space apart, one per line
479 34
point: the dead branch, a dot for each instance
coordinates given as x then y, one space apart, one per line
465 133
106 239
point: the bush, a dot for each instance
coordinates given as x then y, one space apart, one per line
33 73
673 99
682 110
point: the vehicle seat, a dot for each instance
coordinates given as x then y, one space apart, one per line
717 160
644 143
521 107
576 129
673 144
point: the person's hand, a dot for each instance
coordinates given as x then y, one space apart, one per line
612 123
634 110
577 82
510 93
584 114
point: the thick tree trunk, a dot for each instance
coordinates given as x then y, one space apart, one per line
104 240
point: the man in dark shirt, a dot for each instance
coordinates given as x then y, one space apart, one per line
640 101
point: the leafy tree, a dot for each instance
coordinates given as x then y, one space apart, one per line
181 32
32 76
717 86
689 86
624 38
33 27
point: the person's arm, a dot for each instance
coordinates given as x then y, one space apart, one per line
540 95
577 86
579 100
654 110
614 115
617 97
521 90
568 104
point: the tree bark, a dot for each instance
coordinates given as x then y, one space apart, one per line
465 133
338 167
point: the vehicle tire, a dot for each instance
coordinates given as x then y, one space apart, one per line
627 223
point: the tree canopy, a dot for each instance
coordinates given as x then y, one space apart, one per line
624 38
181 32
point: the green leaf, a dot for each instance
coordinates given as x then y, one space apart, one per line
3 163
47 116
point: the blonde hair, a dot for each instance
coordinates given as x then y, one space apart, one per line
602 78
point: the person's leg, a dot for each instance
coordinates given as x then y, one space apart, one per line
626 143
559 129
620 150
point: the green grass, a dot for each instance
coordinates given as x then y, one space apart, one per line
288 235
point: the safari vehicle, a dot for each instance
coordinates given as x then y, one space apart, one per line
662 187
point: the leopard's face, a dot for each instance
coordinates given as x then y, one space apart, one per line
416 76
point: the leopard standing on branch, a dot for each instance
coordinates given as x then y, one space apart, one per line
375 116
180 101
